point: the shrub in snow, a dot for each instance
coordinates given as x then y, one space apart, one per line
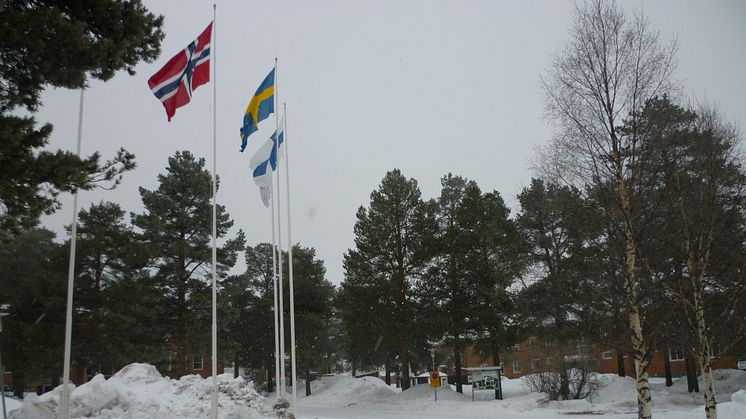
572 379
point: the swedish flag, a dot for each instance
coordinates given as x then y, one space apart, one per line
260 106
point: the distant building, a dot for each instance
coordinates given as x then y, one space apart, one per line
537 353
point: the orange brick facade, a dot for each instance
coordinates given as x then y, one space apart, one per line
200 365
536 354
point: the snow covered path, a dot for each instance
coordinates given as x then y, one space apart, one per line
319 412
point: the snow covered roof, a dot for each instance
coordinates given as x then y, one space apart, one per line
427 374
483 368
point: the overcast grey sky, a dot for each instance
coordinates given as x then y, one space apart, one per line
429 87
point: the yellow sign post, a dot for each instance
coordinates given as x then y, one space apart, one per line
434 379
435 382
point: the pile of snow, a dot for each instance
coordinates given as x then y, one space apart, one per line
345 390
139 391
739 397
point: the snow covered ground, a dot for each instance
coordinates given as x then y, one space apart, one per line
139 391
371 398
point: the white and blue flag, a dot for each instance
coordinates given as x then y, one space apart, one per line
264 162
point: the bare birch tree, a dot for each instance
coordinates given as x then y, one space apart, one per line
606 72
705 193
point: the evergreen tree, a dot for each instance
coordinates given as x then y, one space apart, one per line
110 262
57 44
392 239
176 227
367 313
450 292
494 261
251 326
313 309
33 269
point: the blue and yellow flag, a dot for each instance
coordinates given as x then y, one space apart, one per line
261 105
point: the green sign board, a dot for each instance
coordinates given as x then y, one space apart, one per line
484 380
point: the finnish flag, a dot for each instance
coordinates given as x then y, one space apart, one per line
264 162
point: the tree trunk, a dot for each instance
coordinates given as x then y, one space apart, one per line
705 351
496 354
710 402
564 391
308 376
691 375
620 363
388 375
235 365
181 321
667 366
459 387
403 339
644 400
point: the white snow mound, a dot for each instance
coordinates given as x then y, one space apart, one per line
348 391
139 391
739 397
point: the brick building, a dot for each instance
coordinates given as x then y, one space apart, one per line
539 354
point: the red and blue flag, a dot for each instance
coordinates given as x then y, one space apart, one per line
190 68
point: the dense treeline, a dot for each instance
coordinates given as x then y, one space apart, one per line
142 290
141 285
631 236
458 270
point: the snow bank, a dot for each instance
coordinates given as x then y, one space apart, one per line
139 391
616 397
739 397
348 391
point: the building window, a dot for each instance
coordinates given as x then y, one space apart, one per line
606 355
515 347
532 340
516 367
534 364
675 354
197 363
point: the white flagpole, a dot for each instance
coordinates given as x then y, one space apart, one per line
65 396
214 404
290 264
274 289
279 239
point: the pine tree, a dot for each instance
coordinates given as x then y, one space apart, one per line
392 239
110 262
59 44
32 283
177 229
251 297
449 291
313 309
494 261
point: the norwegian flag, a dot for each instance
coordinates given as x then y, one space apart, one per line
174 83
